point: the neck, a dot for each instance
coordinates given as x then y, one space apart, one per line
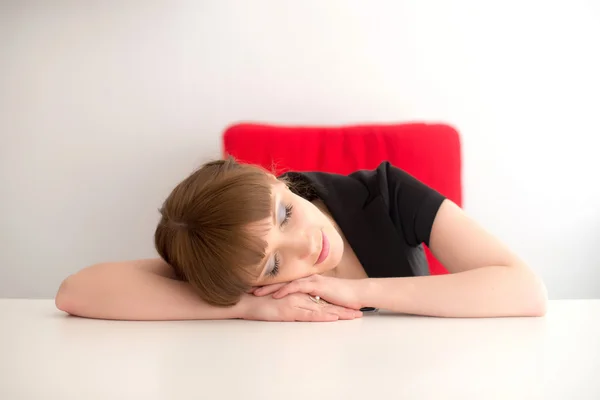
349 267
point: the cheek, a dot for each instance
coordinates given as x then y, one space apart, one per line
336 249
290 271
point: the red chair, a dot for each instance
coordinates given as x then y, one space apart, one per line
430 152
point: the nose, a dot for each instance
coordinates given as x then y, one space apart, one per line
307 243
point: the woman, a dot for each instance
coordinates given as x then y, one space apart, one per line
237 242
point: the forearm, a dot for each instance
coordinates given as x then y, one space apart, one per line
115 291
494 291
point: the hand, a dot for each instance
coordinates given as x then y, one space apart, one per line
295 307
343 292
268 288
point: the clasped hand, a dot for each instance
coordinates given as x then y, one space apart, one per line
343 296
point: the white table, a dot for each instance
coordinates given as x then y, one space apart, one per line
45 354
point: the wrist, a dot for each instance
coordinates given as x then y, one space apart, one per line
367 293
240 309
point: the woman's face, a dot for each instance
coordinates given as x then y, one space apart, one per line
302 240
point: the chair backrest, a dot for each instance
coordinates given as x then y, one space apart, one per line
430 152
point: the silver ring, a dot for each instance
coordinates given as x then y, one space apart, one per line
316 299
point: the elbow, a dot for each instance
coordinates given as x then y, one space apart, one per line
90 292
535 296
539 304
63 299
78 291
71 296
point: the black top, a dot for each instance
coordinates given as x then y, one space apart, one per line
386 214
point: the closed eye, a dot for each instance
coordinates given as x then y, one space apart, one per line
284 216
275 270
288 214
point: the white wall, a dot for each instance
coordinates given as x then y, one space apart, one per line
105 105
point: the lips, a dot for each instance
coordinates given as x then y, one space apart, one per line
324 249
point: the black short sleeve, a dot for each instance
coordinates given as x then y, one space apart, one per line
412 204
384 213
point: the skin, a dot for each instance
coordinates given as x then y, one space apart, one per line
148 290
486 278
295 240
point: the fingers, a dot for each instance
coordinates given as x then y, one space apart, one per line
268 289
330 312
316 316
301 285
326 317
342 312
279 290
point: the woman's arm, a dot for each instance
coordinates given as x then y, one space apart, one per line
486 279
134 290
491 291
147 290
